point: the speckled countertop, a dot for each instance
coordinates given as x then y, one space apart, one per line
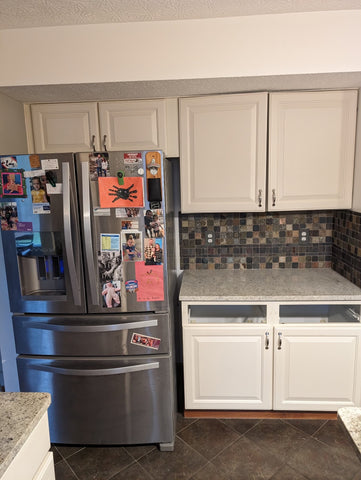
19 414
350 418
313 284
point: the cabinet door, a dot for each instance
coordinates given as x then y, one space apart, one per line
223 153
139 125
227 367
65 127
317 368
311 149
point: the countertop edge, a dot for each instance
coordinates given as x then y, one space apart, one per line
350 419
265 298
43 401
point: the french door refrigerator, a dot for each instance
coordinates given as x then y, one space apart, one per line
88 251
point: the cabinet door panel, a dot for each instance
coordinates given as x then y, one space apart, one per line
66 127
317 368
133 125
311 149
223 153
227 368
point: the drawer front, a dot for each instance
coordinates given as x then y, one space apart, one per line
93 335
104 400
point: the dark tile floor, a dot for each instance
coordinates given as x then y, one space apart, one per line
233 449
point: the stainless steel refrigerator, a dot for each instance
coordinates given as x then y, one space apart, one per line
88 245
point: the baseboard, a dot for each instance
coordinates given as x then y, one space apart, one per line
259 414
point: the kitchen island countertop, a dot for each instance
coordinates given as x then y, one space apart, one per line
350 418
313 284
20 413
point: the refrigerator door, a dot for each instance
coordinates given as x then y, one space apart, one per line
95 335
104 401
113 205
41 238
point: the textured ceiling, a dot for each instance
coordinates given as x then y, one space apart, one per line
42 13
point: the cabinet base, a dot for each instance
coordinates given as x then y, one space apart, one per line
259 414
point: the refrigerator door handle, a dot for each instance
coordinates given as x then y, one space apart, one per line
96 372
91 328
70 258
88 240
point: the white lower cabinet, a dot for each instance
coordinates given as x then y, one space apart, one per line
228 367
33 461
240 358
316 367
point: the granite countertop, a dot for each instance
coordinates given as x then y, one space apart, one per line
314 284
19 414
350 418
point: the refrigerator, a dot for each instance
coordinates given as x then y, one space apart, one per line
88 245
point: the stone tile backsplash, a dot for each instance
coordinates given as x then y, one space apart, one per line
346 251
257 240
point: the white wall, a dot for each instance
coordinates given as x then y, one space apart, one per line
12 127
12 141
298 43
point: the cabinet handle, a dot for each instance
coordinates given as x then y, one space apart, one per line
105 143
93 142
279 341
267 341
273 198
260 197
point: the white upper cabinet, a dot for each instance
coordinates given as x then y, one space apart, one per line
65 127
123 125
223 153
311 149
139 125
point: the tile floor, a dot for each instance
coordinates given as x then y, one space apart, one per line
232 449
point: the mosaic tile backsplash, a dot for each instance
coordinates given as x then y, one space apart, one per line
257 240
346 252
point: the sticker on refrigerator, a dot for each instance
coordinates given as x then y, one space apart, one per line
98 165
101 212
131 286
41 208
34 173
130 224
110 242
53 190
132 246
154 223
112 195
127 212
153 251
25 227
110 267
38 190
13 184
133 158
34 161
150 282
8 162
9 216
145 341
111 294
50 164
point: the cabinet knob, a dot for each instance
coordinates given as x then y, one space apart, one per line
105 143
279 341
93 143
273 198
260 197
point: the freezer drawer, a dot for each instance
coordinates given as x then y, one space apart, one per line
104 401
92 335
